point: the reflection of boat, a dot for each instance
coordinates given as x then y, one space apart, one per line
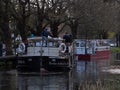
52 57
63 81
91 49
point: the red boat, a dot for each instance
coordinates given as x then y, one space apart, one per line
91 49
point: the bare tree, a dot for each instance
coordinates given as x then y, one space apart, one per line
95 18
56 14
4 25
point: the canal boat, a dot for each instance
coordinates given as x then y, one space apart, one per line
55 56
96 49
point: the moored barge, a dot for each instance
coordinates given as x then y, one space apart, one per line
87 50
56 56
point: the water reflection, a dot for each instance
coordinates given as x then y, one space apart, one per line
47 82
91 70
84 71
117 56
8 80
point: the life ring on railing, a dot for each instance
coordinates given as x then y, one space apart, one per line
21 48
62 47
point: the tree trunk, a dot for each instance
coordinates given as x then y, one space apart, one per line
21 28
7 38
74 26
54 28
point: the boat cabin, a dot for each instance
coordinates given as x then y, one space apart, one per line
90 46
37 47
97 48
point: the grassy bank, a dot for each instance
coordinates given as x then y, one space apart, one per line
112 82
115 49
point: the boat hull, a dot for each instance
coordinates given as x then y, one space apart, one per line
44 63
99 55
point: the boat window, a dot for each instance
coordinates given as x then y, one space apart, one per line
77 44
31 44
82 44
38 44
50 44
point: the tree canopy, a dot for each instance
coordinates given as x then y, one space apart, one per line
85 18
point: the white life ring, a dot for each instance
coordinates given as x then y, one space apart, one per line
21 48
62 45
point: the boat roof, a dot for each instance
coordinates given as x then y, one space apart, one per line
100 42
49 39
90 39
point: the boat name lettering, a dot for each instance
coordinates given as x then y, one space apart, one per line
57 63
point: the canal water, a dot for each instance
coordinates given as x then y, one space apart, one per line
84 71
